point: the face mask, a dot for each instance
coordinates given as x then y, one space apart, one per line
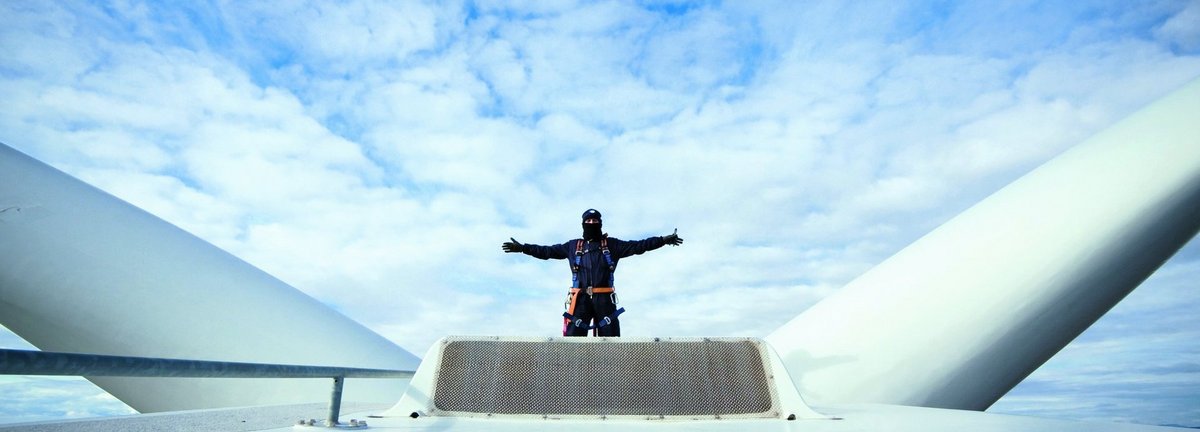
591 231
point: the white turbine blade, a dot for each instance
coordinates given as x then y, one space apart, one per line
959 317
82 271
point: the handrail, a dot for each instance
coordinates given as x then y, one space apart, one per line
23 362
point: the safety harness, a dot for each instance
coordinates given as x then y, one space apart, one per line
578 323
568 317
612 266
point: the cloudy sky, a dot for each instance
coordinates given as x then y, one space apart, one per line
376 154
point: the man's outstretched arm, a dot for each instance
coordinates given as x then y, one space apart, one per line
623 249
536 251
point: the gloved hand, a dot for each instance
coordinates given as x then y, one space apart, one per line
673 239
513 246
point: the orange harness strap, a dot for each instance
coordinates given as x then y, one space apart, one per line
593 290
571 297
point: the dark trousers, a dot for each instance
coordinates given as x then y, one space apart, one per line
591 309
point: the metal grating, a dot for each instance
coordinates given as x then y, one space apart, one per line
667 378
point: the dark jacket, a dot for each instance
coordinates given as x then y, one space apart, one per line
593 270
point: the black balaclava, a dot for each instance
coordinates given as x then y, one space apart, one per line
592 231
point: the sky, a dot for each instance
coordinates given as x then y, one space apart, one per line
375 154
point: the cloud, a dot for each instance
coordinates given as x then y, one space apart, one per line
8 340
697 51
327 39
41 399
554 62
1182 30
1138 361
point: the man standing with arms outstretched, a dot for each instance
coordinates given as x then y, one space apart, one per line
592 303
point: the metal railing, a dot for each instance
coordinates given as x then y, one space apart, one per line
22 362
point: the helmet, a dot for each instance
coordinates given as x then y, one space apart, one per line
591 213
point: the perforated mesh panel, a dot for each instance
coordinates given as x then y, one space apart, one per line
669 378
